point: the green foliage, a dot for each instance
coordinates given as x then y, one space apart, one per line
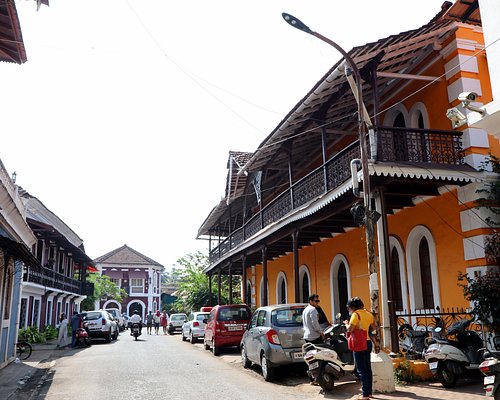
404 375
484 292
103 289
32 335
193 284
50 332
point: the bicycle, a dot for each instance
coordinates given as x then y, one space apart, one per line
24 350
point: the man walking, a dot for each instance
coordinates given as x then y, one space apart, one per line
149 321
310 320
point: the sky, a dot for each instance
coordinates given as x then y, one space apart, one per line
122 119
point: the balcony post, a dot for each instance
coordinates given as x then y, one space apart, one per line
264 276
290 177
219 289
244 279
296 283
323 148
210 289
230 270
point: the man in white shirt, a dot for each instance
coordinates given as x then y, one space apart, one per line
136 319
310 320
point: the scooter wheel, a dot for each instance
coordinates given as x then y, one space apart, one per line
446 377
326 381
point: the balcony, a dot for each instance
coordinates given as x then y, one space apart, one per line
51 279
422 147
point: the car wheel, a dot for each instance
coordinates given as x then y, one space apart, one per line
215 349
268 372
245 362
108 337
115 335
184 338
192 339
446 377
206 346
326 381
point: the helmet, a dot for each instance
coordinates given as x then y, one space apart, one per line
136 312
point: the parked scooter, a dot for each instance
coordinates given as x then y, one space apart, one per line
135 330
449 359
490 367
82 337
331 360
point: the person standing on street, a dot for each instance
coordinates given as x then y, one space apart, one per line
164 322
62 339
362 319
149 321
156 321
310 321
76 323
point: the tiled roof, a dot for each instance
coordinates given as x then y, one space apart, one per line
126 255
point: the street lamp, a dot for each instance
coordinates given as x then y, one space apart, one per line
370 216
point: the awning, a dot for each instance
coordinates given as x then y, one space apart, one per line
19 251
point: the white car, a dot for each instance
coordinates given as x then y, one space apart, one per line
100 324
194 328
175 323
118 317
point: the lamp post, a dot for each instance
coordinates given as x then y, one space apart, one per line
369 215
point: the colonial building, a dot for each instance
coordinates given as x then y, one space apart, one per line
59 286
291 221
138 275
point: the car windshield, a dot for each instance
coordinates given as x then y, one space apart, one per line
233 314
201 317
287 316
178 317
91 316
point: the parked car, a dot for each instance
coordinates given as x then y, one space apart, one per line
274 337
175 323
117 317
194 328
225 326
126 320
100 324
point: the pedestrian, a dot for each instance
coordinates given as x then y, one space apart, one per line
164 321
362 319
149 322
156 321
310 321
62 338
76 323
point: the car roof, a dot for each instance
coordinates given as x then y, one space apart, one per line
177 314
274 307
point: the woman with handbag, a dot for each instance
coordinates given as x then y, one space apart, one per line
359 327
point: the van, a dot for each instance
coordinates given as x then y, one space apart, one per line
225 326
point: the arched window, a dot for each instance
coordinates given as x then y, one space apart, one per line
305 284
340 285
399 121
396 280
425 274
423 278
248 299
261 290
281 289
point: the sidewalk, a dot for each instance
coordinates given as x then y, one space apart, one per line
23 373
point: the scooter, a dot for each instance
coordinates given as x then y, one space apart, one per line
490 367
449 359
330 360
135 330
82 337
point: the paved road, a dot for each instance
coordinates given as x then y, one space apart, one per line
164 367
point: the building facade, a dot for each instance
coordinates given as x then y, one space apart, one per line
292 220
59 286
137 274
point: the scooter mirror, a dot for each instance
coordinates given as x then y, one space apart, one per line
338 315
438 329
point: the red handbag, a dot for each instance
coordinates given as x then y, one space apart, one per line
356 340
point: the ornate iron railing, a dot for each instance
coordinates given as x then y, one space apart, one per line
415 146
51 279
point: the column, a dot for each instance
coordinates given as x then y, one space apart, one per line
264 277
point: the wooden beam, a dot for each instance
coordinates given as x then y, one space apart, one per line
408 76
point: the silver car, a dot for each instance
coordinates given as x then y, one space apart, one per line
194 328
175 323
274 338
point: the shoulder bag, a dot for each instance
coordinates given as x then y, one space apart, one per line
356 340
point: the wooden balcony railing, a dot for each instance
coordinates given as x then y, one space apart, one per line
407 145
51 279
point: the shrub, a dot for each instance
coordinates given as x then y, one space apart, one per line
50 332
32 335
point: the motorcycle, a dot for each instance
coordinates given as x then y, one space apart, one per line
448 359
82 337
330 360
490 367
135 330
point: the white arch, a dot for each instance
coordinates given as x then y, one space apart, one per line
105 305
334 283
394 242
413 263
261 291
415 110
393 112
281 276
141 303
304 270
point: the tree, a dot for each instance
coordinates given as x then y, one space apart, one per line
193 285
103 289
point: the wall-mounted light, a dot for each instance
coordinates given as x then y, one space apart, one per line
14 177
